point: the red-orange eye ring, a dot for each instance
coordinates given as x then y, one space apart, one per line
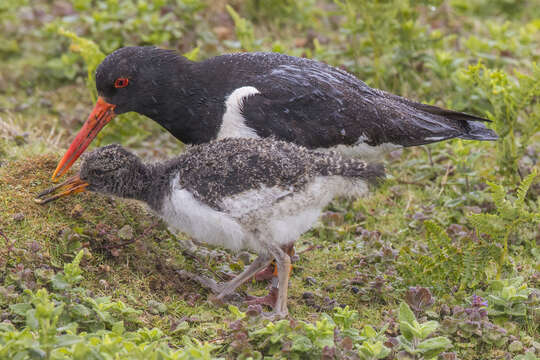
121 82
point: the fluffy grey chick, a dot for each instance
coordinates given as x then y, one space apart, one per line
256 194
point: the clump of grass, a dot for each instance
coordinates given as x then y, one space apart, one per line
84 221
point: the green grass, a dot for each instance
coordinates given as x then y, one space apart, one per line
365 254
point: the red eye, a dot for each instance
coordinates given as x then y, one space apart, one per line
121 82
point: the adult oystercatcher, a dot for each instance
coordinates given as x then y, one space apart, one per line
256 194
260 95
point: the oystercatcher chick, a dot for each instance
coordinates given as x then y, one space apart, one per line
251 194
258 95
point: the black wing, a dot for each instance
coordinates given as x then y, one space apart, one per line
320 106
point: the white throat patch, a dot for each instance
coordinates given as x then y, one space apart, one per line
233 122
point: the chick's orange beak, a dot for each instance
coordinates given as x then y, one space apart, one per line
103 113
72 185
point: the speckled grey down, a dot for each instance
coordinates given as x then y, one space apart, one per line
217 169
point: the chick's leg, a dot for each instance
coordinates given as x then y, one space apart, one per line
284 268
270 272
272 269
227 288
259 263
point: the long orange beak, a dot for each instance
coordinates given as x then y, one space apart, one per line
73 185
103 113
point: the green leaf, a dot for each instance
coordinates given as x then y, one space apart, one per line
432 347
36 352
302 344
118 328
193 54
406 344
236 312
369 332
518 310
6 327
409 331
377 349
21 308
497 300
244 30
403 355
59 282
91 54
70 328
345 317
439 342
524 188
276 337
384 352
508 292
81 311
31 320
406 314
181 327
527 356
68 340
427 328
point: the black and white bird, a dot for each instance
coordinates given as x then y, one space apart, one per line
256 194
258 95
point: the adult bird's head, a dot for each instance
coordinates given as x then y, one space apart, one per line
129 79
108 170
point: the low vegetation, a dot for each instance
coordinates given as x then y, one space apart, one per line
441 262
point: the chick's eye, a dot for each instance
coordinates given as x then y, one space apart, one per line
121 82
98 172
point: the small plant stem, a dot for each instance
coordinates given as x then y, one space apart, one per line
427 149
514 154
445 178
310 248
504 253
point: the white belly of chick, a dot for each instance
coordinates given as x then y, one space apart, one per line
256 218
184 212
279 216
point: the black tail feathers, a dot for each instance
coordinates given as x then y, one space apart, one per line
438 124
472 125
478 131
